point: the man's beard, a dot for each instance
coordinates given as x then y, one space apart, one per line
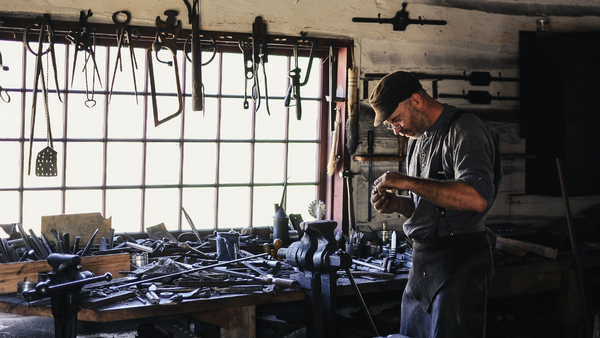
419 126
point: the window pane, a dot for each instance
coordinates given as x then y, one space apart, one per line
60 52
269 160
84 72
300 157
265 199
163 163
10 168
55 109
271 127
171 129
200 163
313 87
85 122
162 206
308 126
299 198
11 117
236 122
123 77
14 61
124 164
234 164
277 76
125 119
199 203
9 208
33 181
83 201
124 206
37 204
234 208
164 74
201 124
233 75
84 164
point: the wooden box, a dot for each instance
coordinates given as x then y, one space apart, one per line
12 273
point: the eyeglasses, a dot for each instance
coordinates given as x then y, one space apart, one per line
396 120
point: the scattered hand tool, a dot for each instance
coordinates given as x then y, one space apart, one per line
191 223
264 278
41 249
152 297
294 75
401 20
177 274
166 37
87 247
126 36
194 20
76 245
46 160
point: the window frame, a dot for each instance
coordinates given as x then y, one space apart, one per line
12 29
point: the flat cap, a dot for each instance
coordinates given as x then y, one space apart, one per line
390 91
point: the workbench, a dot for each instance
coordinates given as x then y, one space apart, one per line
235 314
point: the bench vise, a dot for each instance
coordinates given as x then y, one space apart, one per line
63 286
318 259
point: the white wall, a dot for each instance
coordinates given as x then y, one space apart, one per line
479 36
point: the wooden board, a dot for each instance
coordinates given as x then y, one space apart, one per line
531 247
82 225
12 273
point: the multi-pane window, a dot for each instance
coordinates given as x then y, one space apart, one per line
226 165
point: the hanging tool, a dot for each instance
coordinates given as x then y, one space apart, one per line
84 40
260 41
3 93
347 174
246 47
126 36
46 160
479 97
370 140
166 38
212 46
294 75
194 20
401 20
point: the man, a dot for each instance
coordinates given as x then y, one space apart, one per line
453 176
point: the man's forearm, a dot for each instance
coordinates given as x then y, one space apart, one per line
454 195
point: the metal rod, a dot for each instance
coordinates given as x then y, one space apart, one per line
361 301
578 269
176 274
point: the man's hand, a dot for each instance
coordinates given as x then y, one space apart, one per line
384 202
384 198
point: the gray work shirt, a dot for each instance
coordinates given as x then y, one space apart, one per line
466 153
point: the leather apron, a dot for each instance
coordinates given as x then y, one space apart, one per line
462 263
